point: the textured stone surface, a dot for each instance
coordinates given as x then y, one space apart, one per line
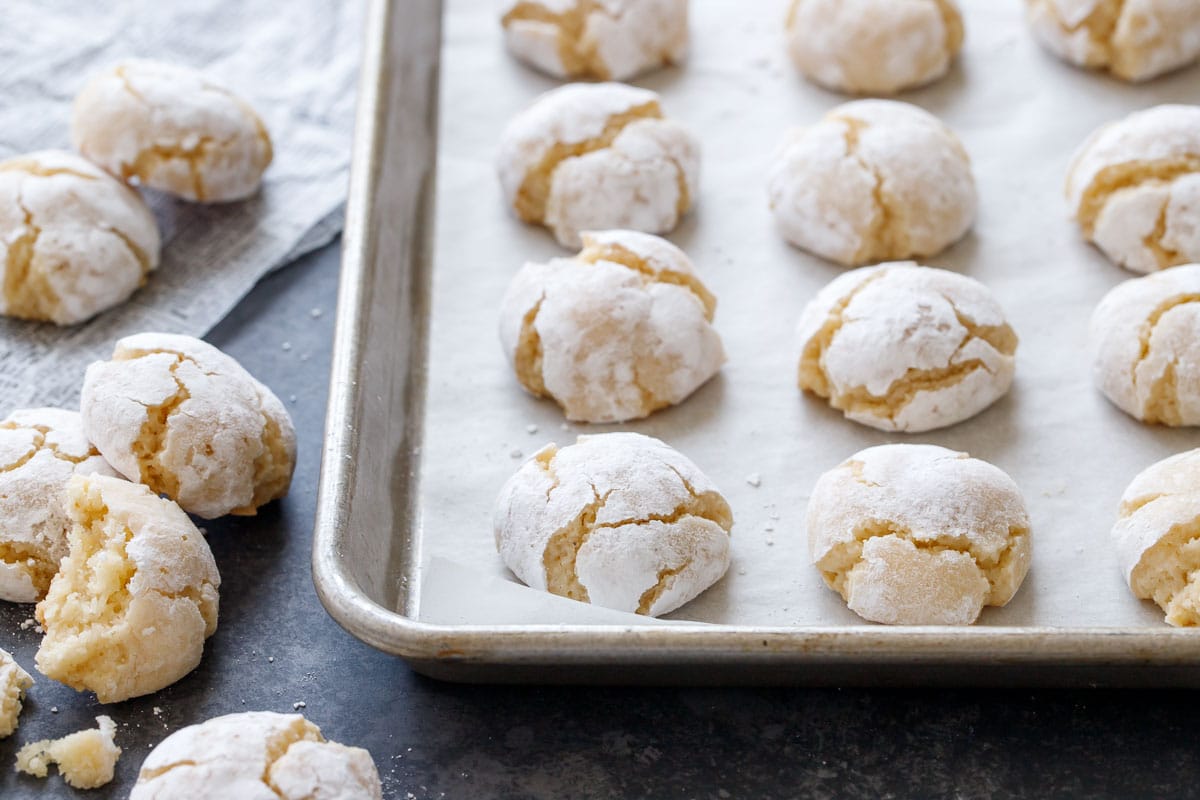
437 740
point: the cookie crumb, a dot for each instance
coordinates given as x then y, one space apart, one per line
515 454
299 704
286 346
531 428
271 659
754 479
316 313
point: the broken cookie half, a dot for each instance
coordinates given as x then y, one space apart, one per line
618 520
919 535
86 759
901 347
1157 537
14 682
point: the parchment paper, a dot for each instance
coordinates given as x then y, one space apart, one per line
1020 113
296 63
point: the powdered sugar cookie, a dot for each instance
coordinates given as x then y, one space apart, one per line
135 598
918 535
596 156
1134 187
614 333
171 128
618 520
13 683
608 40
180 416
901 347
40 449
1157 536
257 755
874 46
872 181
74 241
1146 342
1133 39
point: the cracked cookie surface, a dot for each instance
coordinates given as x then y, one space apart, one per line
256 755
918 535
901 347
873 46
602 39
618 520
874 180
74 241
180 416
1135 40
596 156
135 598
86 759
614 333
40 449
14 681
1134 188
173 129
1145 337
1157 537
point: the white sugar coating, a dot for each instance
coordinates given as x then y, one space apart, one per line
1145 339
872 181
74 241
1157 536
135 598
40 449
256 755
180 416
171 128
619 520
918 534
901 347
14 681
596 156
873 46
1134 188
86 759
603 39
1133 39
616 332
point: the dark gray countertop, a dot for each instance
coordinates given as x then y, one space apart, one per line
276 646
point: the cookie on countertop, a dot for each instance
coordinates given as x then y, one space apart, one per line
1145 338
135 598
873 46
40 449
598 156
171 128
874 180
618 520
901 347
74 241
1134 188
607 40
256 755
187 420
14 682
914 534
86 759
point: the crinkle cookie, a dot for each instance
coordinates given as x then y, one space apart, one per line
1157 536
595 156
604 39
86 759
614 333
872 181
1134 188
135 598
173 129
256 755
912 534
74 241
1133 39
180 416
901 347
13 683
40 449
618 520
1145 338
874 46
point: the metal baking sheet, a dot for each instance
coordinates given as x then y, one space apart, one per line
425 420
